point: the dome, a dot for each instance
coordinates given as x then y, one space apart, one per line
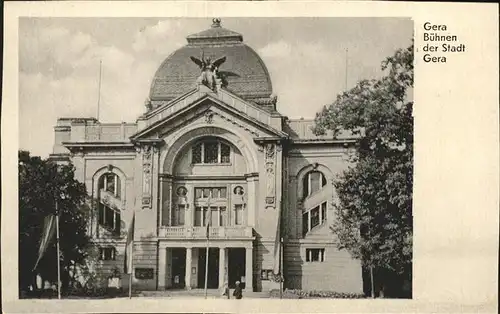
244 72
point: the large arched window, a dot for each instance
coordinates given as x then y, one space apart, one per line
313 182
211 151
109 189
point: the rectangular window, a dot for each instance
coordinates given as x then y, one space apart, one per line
110 183
315 217
214 216
222 221
101 213
198 216
179 213
211 155
204 215
109 217
238 214
315 178
315 255
305 223
107 254
224 153
198 193
196 154
323 212
117 187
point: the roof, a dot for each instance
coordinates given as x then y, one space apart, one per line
245 72
215 34
302 130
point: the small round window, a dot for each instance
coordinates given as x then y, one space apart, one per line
181 191
239 190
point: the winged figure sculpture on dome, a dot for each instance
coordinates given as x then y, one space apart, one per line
208 69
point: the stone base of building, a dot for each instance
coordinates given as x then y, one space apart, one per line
161 265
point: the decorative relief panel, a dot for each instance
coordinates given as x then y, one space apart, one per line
147 169
270 155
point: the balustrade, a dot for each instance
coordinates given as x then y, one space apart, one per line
184 232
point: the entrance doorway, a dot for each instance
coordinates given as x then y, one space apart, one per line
178 267
213 268
236 267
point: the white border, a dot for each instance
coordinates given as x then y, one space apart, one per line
456 158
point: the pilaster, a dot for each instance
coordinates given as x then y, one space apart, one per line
222 267
249 269
189 259
162 266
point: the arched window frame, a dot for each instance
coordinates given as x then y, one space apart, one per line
102 209
108 170
306 198
221 144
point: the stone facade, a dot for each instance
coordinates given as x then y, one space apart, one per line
213 157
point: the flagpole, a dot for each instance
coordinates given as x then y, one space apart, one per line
206 268
58 254
209 215
346 66
281 268
131 270
99 91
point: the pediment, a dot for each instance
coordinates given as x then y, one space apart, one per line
209 108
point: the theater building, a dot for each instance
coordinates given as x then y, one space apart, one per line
211 148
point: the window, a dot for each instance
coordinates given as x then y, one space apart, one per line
178 215
313 182
222 216
109 218
211 152
210 206
314 217
107 253
210 193
238 214
315 255
323 211
196 152
110 182
215 214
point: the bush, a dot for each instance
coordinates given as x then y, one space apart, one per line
305 294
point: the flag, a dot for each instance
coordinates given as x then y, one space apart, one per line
129 247
209 215
49 228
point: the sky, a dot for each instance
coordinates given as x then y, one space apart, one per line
306 58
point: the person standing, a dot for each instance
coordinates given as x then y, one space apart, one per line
238 293
225 290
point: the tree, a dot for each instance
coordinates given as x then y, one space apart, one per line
40 183
374 213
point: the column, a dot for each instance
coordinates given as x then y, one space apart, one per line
162 267
189 258
248 269
222 266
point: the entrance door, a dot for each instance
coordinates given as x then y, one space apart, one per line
178 267
236 265
213 268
